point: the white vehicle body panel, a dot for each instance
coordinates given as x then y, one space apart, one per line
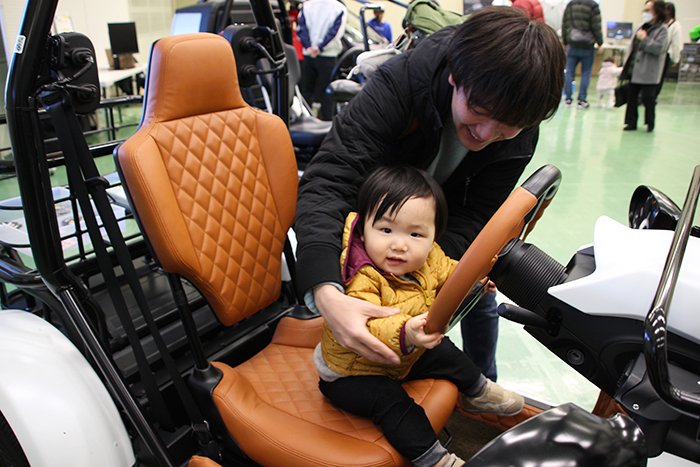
57 406
629 263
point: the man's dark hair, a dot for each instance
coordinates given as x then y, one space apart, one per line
660 10
388 188
508 65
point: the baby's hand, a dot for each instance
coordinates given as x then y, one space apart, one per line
416 334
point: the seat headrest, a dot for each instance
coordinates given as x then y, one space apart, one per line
191 74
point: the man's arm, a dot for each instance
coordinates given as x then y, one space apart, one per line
338 28
597 26
303 31
328 189
348 316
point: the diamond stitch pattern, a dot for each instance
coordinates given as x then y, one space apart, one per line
285 377
228 209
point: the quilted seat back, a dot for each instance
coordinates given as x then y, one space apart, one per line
212 180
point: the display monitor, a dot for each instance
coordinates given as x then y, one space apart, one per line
618 30
122 38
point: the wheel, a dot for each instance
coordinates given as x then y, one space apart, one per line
516 216
11 453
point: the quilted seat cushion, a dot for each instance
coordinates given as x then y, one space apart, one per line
273 407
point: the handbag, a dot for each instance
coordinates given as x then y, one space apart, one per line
581 39
621 91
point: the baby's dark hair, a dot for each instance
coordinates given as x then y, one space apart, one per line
388 188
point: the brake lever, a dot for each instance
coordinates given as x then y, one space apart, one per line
474 295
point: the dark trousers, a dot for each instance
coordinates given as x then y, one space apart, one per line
315 78
648 92
667 64
385 401
480 334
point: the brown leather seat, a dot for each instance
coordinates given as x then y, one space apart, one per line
213 183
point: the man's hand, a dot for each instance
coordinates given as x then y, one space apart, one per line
347 318
641 34
313 51
416 335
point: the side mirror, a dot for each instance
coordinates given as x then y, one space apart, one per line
652 209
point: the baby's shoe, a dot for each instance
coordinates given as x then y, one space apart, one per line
494 399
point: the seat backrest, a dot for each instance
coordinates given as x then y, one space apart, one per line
212 181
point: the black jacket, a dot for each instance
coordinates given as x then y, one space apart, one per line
397 119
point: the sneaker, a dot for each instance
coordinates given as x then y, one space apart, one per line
567 103
450 460
582 105
494 399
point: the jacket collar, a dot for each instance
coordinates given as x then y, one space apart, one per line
356 255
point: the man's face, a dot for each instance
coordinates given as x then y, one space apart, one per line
475 128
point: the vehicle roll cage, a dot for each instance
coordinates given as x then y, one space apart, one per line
62 287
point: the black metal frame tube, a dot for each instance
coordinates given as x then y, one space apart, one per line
42 225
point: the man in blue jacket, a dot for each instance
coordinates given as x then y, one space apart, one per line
321 26
465 105
379 25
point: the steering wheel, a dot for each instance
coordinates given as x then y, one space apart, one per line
516 216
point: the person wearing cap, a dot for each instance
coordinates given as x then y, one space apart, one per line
379 25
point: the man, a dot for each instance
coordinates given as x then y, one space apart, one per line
379 25
533 8
581 30
321 27
465 105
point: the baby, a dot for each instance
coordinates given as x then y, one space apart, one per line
607 80
390 258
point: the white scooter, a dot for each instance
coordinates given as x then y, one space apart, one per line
623 313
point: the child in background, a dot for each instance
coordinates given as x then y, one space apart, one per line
390 259
607 80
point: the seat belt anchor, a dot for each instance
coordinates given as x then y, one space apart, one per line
207 444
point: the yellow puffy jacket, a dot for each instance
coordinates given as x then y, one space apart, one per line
364 281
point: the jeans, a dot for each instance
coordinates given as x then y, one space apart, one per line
384 400
575 55
480 334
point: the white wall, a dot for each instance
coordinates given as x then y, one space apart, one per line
91 17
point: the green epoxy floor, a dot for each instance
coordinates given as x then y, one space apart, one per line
601 166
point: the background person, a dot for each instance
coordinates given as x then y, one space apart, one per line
581 31
645 64
321 27
464 105
533 8
675 45
379 25
607 80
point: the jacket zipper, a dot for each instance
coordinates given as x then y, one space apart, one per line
466 187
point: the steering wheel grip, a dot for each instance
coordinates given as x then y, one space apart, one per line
516 216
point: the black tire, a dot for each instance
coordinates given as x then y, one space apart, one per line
11 453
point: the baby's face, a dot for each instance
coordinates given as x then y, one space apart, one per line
401 244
